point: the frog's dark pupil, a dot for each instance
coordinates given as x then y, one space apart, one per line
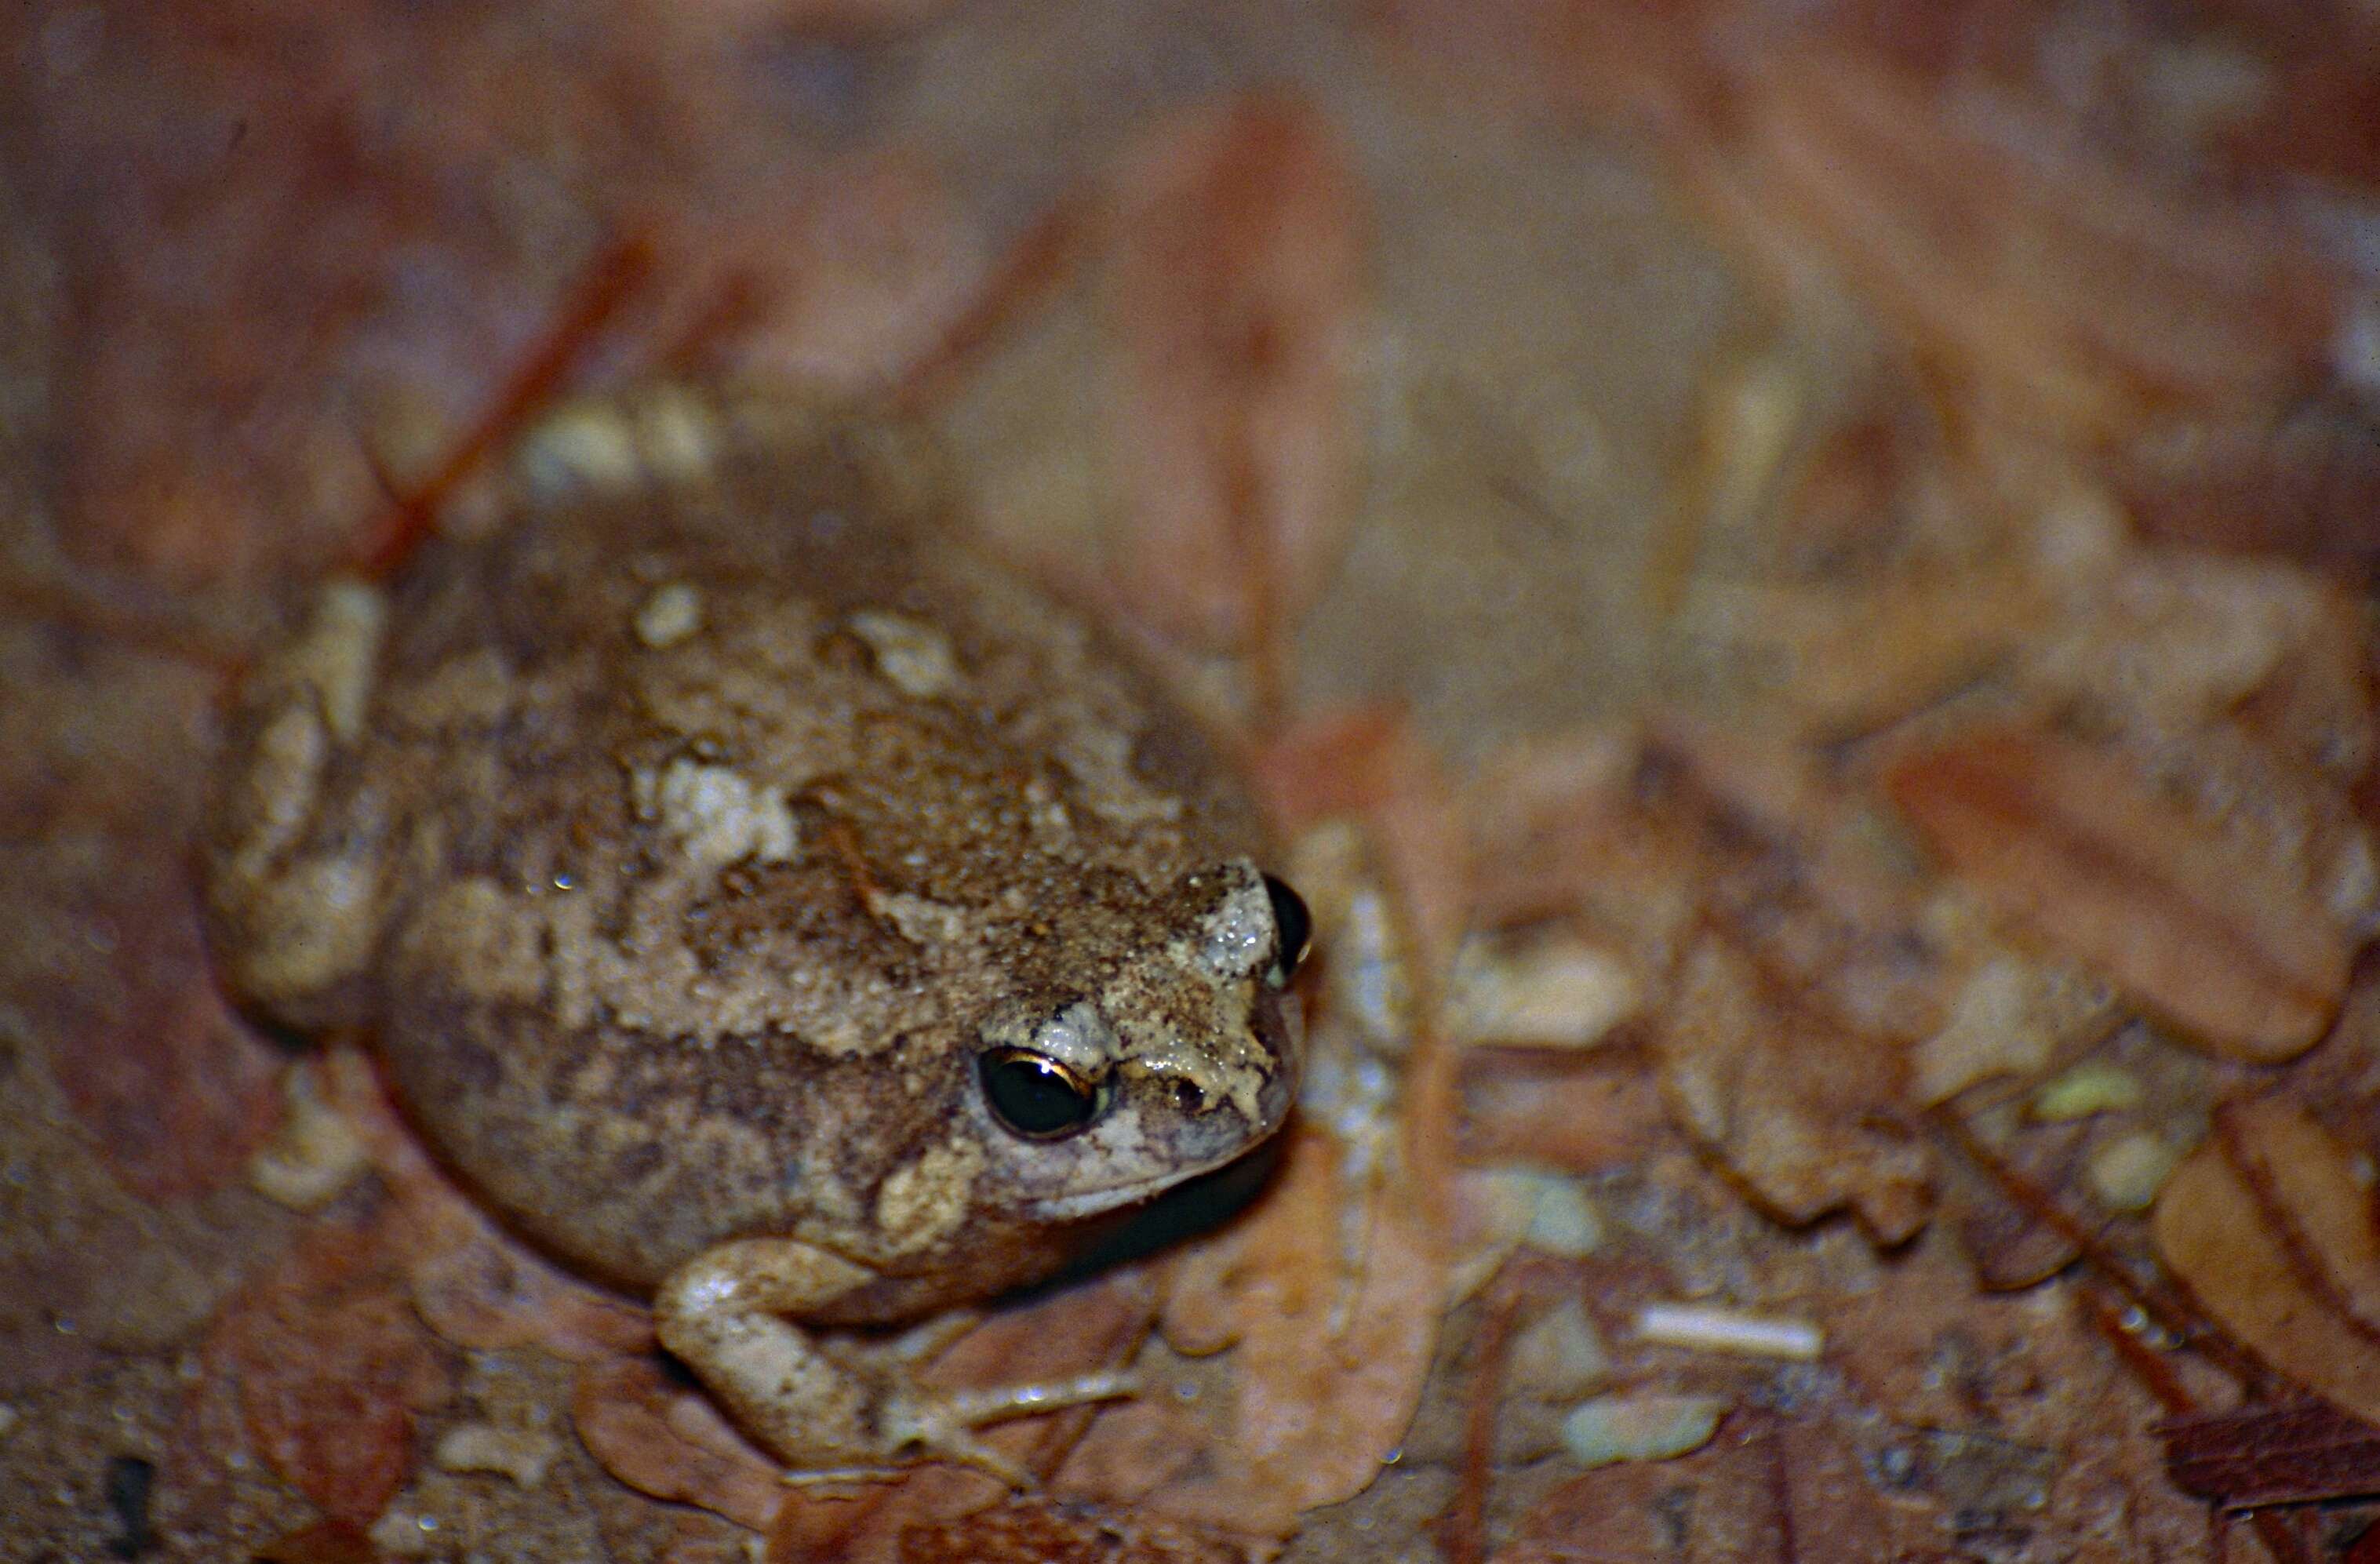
1296 925
1036 1097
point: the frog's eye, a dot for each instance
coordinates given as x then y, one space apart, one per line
1036 1097
1296 926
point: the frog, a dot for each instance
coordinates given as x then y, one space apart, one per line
765 901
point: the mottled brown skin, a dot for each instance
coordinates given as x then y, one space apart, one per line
685 842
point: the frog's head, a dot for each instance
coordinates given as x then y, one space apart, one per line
1175 1060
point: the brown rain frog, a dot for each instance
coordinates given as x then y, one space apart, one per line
763 901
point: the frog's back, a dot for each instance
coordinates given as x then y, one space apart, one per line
670 836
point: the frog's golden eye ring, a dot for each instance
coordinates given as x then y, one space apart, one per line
1296 926
1034 1095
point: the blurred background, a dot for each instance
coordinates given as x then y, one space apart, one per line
1795 578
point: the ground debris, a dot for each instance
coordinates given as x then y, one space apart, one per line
2071 842
2269 1226
2291 1452
1950 728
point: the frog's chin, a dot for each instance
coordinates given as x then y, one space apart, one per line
1112 1198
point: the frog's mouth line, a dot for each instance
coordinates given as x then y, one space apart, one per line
1091 1203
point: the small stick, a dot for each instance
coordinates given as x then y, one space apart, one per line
2158 1303
1463 1529
740 301
2157 1377
1037 263
616 275
1771 1429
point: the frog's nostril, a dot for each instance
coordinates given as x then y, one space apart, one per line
1189 1098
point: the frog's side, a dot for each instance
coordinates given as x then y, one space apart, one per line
703 852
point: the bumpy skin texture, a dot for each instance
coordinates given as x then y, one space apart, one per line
684 843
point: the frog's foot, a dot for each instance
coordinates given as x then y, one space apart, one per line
724 1314
940 1426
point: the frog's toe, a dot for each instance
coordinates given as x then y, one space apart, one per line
973 1409
841 1476
941 1427
959 1446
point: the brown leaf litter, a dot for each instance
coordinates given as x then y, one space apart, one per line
1986 846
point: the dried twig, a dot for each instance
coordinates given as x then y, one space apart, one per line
2159 1303
1463 1528
617 275
1039 264
2159 1378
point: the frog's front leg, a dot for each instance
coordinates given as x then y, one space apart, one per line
723 1314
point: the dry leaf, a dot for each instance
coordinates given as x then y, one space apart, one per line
1802 879
2172 640
2008 1014
663 1439
1236 297
1554 1111
331 1367
2297 1452
1751 1489
1530 790
2011 1248
208 1455
1545 989
1091 1325
1133 1447
2089 296
2320 1199
1802 1111
1034 1529
1330 1359
476 1285
1850 500
1778 1045
2269 1227
1558 833
2067 840
2259 1455
480 1288
856 285
2237 687
325 1542
1771 785
2307 490
1841 659
1372 767
1048 1340
843 19
176 1093
1371 770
